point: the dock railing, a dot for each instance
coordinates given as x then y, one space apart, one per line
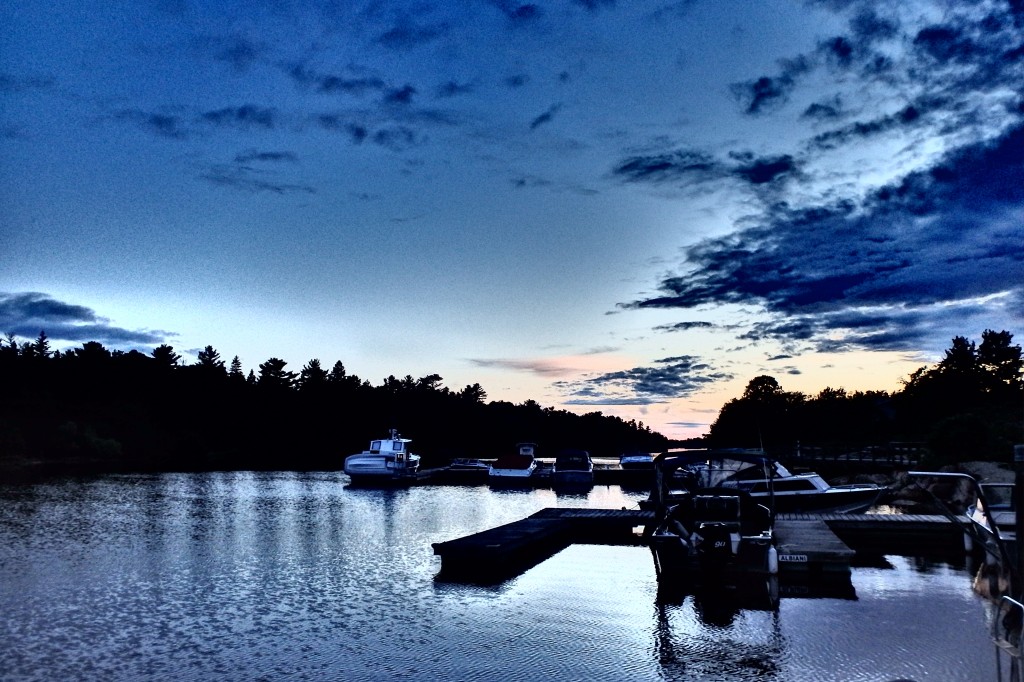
890 456
1006 634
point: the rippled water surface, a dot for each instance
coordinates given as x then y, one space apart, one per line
291 576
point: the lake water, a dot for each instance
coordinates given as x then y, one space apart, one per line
295 576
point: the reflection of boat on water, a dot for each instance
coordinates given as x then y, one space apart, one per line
718 634
705 531
514 469
573 468
387 462
807 492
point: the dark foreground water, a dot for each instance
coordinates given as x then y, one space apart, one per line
293 576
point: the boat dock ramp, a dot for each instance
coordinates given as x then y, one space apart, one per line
809 545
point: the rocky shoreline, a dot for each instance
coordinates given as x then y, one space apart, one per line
916 494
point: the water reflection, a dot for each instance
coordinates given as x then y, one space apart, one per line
241 576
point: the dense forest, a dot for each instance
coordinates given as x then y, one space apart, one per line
93 407
970 406
97 408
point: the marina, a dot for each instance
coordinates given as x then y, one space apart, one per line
298 575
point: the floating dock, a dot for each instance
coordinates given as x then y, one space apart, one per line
809 545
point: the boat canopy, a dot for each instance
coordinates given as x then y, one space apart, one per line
667 463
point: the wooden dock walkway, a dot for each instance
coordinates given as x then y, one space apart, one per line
808 544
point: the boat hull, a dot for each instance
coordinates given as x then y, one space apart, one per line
572 478
379 470
675 560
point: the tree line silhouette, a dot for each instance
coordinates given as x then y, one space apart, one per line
970 406
128 410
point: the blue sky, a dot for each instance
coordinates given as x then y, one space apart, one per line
631 207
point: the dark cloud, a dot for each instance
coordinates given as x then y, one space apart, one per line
238 51
407 34
246 117
906 117
165 125
945 43
397 138
761 171
25 314
674 377
838 50
271 157
758 95
868 26
517 80
668 167
453 89
767 93
330 84
246 178
688 166
528 181
516 12
683 326
545 117
823 111
402 95
11 83
939 237
340 123
594 5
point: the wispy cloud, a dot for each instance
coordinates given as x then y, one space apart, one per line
545 117
668 378
541 367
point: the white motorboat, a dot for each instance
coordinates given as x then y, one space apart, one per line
514 469
573 468
386 462
792 493
807 492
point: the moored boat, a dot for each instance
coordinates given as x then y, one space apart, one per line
514 469
705 531
386 462
806 492
636 461
572 468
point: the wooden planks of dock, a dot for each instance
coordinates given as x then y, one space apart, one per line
808 544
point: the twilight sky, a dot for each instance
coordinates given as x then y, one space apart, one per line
632 207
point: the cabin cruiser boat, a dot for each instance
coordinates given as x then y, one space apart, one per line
807 492
703 529
514 469
573 468
637 461
387 461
